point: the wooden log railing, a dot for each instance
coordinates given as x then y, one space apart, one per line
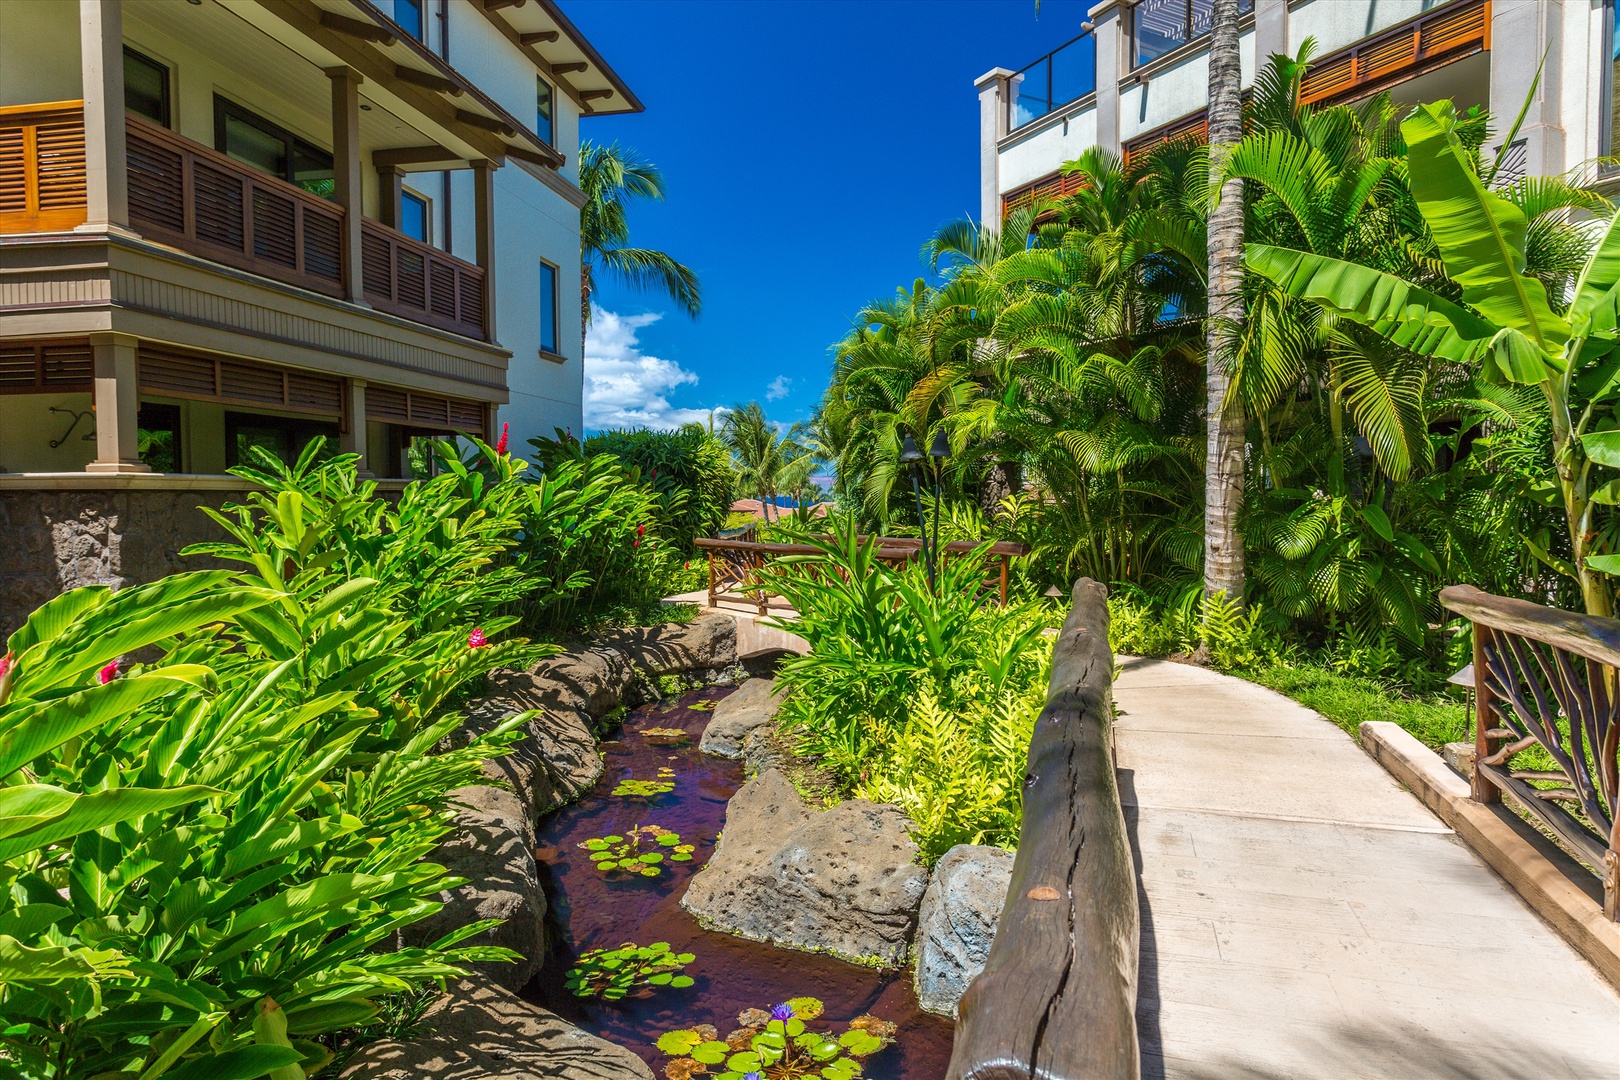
1549 680
735 566
1057 997
42 171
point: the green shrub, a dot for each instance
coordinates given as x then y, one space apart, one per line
922 697
689 470
208 854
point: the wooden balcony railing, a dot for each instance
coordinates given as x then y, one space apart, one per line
1547 721
42 176
419 282
1444 34
191 197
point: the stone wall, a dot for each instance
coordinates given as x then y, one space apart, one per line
55 540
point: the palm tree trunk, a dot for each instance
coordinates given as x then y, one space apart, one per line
1004 479
1223 466
585 304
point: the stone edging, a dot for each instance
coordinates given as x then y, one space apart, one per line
1543 875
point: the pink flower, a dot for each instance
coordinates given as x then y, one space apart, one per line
476 639
108 673
7 662
500 447
641 530
635 543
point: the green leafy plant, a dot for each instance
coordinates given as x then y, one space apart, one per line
648 788
776 1044
613 974
637 852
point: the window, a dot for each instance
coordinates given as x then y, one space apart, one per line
1609 134
548 308
413 216
255 141
284 437
146 87
545 106
159 436
1159 27
408 13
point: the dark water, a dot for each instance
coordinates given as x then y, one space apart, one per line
595 911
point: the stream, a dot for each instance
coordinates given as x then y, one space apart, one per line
590 910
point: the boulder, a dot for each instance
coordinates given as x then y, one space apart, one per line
492 846
957 922
763 750
843 881
707 643
556 759
478 1030
752 706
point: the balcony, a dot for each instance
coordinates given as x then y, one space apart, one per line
1066 74
188 196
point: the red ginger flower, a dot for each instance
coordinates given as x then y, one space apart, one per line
108 673
500 447
476 639
641 530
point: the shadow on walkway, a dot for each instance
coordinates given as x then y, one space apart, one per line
1147 977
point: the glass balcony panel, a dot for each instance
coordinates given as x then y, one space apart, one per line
1160 27
1074 71
1031 102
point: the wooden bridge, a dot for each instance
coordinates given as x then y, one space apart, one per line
1214 881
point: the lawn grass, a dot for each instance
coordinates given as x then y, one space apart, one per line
1347 700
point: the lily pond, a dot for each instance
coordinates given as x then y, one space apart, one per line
618 861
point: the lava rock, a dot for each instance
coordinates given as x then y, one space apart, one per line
492 846
843 881
478 1030
705 643
761 752
556 759
957 922
752 706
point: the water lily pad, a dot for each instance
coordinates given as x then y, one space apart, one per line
806 1008
679 1042
710 1053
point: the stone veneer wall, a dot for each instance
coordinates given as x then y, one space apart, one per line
55 540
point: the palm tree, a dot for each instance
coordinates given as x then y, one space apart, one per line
765 459
1223 460
610 177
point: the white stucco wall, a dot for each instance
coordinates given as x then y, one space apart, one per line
1338 23
1032 157
27 427
1174 92
39 52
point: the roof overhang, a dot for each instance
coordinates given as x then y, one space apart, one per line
560 52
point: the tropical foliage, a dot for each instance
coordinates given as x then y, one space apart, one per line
922 697
688 469
208 851
612 177
769 462
1425 366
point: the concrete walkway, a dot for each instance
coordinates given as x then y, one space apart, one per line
1304 916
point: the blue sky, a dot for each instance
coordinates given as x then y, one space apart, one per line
810 148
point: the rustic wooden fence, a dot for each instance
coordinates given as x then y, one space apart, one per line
1547 688
1057 997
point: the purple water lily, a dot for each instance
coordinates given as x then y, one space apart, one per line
752 1076
783 1011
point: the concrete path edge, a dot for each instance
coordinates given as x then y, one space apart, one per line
1534 874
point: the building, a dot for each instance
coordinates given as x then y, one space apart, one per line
1138 73
228 223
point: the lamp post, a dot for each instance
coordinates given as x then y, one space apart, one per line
911 457
939 451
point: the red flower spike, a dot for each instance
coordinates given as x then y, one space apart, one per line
108 673
500 447
7 663
476 639
641 530
635 543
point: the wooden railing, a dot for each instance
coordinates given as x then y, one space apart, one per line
1547 685
419 282
736 566
183 194
42 171
1057 997
1446 33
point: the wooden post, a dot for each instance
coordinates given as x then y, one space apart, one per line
484 230
1484 719
712 602
117 404
346 174
354 424
390 194
101 67
1057 997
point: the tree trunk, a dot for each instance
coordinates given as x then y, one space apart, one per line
585 284
1223 466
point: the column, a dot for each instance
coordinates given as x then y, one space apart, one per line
1522 33
484 230
995 96
101 67
1107 27
346 172
116 402
390 194
353 439
1270 31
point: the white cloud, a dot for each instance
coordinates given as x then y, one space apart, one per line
625 387
778 388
